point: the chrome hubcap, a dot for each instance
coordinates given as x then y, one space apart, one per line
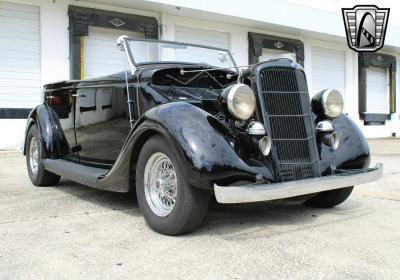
34 156
160 184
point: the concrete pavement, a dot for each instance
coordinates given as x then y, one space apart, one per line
74 232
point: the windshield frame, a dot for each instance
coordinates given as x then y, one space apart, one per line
137 65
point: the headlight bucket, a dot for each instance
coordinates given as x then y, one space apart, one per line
328 102
240 101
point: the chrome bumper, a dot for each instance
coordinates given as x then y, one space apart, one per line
263 192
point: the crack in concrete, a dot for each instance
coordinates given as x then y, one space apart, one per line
68 215
376 197
393 173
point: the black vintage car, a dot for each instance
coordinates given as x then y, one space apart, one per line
186 123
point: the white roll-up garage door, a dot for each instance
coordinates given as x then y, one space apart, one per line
328 69
20 82
200 37
271 54
100 53
377 91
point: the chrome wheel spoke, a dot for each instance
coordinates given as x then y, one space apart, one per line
170 196
160 184
34 156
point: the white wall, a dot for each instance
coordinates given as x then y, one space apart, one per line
239 49
54 54
55 49
291 14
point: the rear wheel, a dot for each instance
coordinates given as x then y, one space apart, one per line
38 175
330 198
170 205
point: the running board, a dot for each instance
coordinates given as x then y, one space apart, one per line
85 175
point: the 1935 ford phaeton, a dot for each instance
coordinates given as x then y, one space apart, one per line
186 123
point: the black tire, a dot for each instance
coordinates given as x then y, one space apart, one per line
191 203
330 198
41 177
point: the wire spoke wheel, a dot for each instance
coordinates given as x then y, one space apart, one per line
34 156
170 205
160 184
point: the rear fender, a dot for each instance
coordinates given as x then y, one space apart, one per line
50 133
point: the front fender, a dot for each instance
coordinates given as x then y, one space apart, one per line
205 148
352 152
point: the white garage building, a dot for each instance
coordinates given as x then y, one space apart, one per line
47 40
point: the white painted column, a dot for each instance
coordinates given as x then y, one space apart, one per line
308 65
396 116
54 41
239 47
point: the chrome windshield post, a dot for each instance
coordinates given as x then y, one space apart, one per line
123 46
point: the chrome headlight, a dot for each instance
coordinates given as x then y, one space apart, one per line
332 103
240 100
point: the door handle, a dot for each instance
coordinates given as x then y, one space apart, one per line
78 95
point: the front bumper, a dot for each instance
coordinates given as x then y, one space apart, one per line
263 192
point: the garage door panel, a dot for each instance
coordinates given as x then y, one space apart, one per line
20 62
98 61
101 54
204 40
17 104
10 64
202 37
97 70
270 54
19 7
34 43
19 75
10 97
19 15
328 69
21 80
104 44
18 35
377 91
26 89
12 15
19 55
7 55
18 48
22 28
18 24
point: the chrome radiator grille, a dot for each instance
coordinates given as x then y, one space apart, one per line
286 111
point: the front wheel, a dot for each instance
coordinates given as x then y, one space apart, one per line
328 199
170 205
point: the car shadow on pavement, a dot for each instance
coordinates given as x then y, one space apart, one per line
232 220
250 220
105 199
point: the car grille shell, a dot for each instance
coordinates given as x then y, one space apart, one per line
285 108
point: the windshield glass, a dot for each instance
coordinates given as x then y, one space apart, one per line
152 51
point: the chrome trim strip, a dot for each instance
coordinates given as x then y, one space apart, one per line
264 192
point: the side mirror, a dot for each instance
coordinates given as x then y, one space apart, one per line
120 42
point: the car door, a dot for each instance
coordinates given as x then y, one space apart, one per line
101 124
62 106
